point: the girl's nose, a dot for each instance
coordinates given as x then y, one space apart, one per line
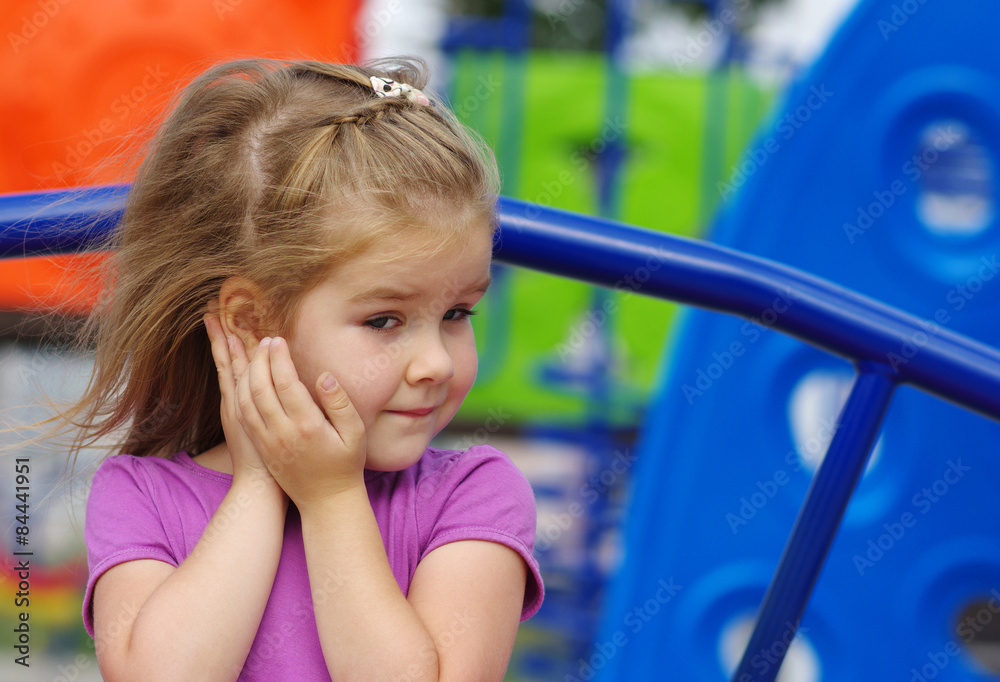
430 359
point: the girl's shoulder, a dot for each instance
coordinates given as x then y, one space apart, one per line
482 473
442 475
437 462
151 473
161 501
478 494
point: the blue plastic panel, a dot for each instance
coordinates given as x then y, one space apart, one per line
877 172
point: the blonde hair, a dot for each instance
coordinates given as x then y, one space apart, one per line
273 171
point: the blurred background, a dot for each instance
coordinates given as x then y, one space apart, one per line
666 115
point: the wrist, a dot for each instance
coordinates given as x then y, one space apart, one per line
258 485
336 502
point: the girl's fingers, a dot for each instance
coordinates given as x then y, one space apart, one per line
247 391
339 409
220 353
263 389
238 355
294 397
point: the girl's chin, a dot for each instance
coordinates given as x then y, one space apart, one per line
396 461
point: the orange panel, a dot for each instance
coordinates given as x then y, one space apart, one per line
81 81
50 283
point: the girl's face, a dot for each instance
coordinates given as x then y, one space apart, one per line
396 334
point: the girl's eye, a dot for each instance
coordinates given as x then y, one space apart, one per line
385 322
456 314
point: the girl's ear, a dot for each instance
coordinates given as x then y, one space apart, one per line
242 311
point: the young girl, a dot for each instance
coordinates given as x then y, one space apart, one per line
303 245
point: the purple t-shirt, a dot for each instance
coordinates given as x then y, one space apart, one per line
158 508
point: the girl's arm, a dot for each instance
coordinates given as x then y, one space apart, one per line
465 599
458 623
197 621
469 594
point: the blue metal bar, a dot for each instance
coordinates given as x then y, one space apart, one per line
627 258
57 222
817 523
699 273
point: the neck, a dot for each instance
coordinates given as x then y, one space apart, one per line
216 459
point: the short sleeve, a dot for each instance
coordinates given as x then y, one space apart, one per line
122 523
480 494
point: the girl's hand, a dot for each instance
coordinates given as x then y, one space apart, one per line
231 362
312 455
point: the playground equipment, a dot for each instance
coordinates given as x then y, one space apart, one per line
602 252
878 172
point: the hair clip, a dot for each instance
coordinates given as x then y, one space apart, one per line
385 87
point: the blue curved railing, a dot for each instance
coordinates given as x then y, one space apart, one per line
888 347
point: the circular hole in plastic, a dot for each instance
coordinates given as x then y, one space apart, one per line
801 662
978 632
815 404
956 181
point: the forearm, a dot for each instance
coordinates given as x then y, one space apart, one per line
200 623
367 628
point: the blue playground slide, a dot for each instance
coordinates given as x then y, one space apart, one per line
878 172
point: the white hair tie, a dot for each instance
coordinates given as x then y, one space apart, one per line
385 87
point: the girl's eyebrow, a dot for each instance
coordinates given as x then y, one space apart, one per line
480 287
387 293
382 293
